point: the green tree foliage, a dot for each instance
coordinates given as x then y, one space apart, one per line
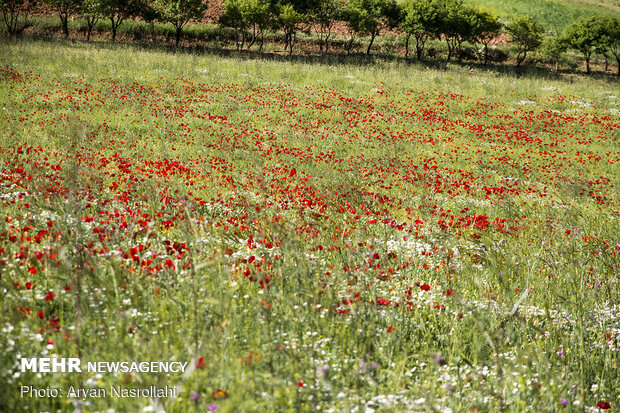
289 21
484 27
553 48
456 22
612 33
369 17
587 36
180 12
301 6
422 20
245 15
455 25
233 18
15 15
323 15
257 15
527 34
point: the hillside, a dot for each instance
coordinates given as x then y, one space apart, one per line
553 14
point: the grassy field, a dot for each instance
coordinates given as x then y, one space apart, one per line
555 15
307 237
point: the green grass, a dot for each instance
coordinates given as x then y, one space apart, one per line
555 15
220 153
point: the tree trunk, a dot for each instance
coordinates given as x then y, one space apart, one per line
91 21
419 47
11 20
178 36
286 39
319 30
587 63
64 20
350 44
290 50
114 28
254 37
372 39
407 45
327 40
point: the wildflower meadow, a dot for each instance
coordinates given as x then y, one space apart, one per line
305 236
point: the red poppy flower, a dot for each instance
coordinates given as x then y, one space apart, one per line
219 394
383 301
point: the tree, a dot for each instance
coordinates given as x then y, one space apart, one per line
351 16
553 48
233 18
421 19
369 17
64 8
527 34
242 15
612 33
603 50
485 26
289 20
117 11
257 15
586 36
456 26
179 13
14 11
323 15
91 11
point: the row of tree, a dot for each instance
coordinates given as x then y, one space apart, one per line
177 12
419 20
